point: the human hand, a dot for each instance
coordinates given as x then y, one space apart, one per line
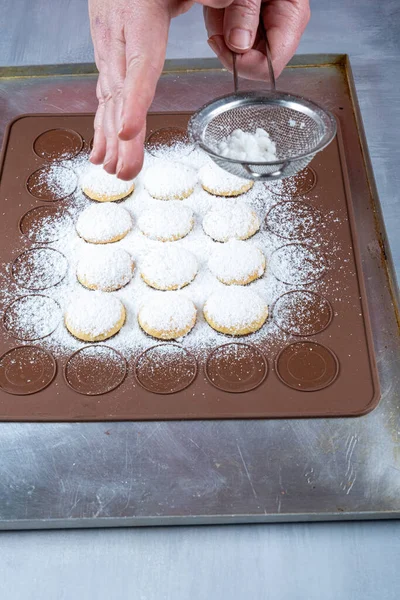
236 28
130 39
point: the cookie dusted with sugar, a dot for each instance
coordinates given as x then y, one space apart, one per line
231 220
167 316
99 185
218 182
104 268
103 223
167 222
169 268
94 316
170 180
237 263
235 311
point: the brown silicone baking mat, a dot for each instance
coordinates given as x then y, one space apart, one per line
321 365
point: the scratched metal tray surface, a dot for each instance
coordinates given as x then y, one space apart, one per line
183 472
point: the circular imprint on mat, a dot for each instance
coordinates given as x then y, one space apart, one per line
297 264
165 369
39 268
302 313
26 370
298 185
95 370
307 366
45 224
53 183
173 140
32 317
58 144
293 220
236 368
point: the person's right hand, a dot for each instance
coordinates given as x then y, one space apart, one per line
130 39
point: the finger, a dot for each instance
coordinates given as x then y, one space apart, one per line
146 43
110 131
130 156
214 21
250 65
241 21
99 141
285 22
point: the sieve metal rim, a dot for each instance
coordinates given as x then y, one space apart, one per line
201 118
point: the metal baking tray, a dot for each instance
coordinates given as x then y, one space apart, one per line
176 472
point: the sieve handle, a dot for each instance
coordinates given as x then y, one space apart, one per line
264 176
269 61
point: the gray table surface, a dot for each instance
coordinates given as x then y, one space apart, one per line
329 561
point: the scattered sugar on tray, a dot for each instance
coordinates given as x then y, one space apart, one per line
247 146
33 317
293 220
58 178
40 269
297 264
49 228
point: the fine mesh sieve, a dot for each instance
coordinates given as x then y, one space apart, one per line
299 127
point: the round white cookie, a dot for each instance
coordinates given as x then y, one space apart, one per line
94 316
166 222
219 182
235 311
105 268
170 180
237 263
169 267
99 185
167 316
103 223
231 220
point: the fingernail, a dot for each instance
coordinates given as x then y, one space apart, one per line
240 38
213 42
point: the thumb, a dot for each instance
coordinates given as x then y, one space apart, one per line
241 22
